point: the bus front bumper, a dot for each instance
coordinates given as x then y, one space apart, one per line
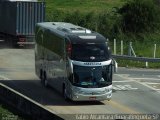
83 97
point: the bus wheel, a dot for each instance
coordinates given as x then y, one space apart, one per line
45 82
65 93
41 76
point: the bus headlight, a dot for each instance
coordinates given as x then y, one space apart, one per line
108 89
76 90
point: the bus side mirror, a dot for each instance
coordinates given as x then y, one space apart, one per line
115 65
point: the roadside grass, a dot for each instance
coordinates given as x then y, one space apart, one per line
141 49
136 64
2 110
143 44
83 5
6 114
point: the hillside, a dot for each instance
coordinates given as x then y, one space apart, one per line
104 17
83 5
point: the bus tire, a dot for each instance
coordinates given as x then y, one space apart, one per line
45 82
109 99
41 76
65 93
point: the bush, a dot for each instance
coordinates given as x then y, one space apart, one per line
102 23
75 18
129 22
55 15
139 16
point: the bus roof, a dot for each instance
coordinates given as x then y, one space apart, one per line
73 32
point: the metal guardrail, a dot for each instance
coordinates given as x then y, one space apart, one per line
143 59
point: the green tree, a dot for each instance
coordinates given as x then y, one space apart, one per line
139 16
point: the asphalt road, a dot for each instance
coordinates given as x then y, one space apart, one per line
135 91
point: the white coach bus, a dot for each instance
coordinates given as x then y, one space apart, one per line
74 61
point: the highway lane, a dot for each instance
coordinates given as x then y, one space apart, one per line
134 90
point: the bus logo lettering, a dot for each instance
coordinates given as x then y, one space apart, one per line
92 63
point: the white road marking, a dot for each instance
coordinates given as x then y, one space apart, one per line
123 87
126 75
3 78
146 79
142 83
123 81
148 83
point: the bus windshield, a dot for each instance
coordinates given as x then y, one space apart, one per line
90 52
92 77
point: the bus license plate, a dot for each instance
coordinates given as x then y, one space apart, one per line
92 98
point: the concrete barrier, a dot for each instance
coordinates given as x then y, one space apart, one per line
24 105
